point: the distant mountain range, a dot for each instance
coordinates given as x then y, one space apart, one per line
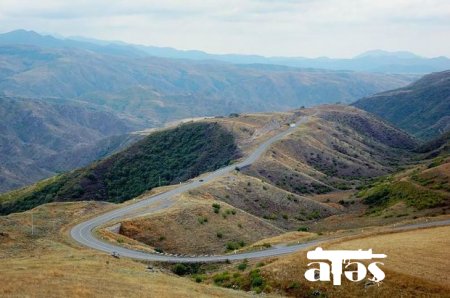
372 61
422 108
157 90
67 102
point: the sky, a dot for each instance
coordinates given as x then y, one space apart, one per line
308 28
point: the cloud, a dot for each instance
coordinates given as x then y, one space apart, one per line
269 27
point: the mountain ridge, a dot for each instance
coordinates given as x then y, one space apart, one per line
177 154
421 108
371 61
150 92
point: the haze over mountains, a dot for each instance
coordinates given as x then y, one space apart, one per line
371 61
67 102
158 89
52 88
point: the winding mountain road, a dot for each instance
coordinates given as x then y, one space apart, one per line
83 232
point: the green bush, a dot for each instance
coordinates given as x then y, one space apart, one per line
220 278
256 280
303 229
187 268
242 266
199 278
202 220
313 215
180 269
234 245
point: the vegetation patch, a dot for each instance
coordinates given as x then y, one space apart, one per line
162 158
182 269
250 281
386 194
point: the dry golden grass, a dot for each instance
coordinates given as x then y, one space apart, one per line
48 264
264 200
422 253
69 273
180 229
286 238
252 129
417 265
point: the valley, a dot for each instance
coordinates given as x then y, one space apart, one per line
249 208
86 100
143 171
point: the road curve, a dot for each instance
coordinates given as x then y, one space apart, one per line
83 232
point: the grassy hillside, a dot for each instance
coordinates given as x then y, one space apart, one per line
422 108
406 273
436 147
423 187
337 150
284 275
334 154
168 156
282 208
217 226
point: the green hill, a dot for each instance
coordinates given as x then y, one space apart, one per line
422 108
167 156
425 187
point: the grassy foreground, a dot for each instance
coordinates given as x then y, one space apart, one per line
47 264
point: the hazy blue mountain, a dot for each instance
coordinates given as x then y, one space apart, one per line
381 53
422 108
372 61
157 90
23 37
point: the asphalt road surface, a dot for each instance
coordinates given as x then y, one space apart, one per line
83 232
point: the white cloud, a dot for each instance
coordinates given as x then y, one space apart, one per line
269 27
